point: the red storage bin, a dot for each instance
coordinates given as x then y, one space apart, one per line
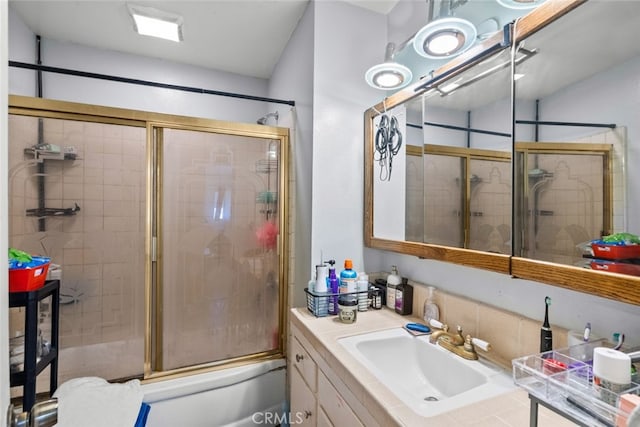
605 251
616 267
28 279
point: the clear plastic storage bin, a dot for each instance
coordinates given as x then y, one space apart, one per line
563 378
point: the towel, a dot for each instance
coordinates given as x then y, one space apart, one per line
92 401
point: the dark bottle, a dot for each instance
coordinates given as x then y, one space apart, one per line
404 297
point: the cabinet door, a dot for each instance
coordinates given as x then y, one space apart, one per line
337 410
323 419
303 401
304 363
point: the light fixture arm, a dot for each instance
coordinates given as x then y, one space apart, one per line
447 7
390 52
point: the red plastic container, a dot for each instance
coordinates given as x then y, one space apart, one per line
27 279
616 267
604 251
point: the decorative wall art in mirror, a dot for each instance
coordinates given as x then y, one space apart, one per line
576 136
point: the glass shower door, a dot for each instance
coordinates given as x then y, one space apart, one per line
218 231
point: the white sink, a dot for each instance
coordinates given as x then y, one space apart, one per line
426 377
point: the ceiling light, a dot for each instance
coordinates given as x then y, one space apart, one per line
520 4
444 38
388 75
517 76
148 21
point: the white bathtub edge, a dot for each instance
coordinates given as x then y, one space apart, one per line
163 390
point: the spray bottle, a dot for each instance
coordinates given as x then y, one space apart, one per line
334 287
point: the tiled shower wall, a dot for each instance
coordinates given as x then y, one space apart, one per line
492 231
490 203
100 249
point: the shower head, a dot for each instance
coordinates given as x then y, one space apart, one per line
263 120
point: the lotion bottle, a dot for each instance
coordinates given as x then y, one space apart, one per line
348 281
431 310
393 280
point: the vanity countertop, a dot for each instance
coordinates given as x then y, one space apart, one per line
509 409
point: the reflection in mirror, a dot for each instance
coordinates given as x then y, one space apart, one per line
467 172
389 176
414 209
575 122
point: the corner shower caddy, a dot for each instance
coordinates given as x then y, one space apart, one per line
42 211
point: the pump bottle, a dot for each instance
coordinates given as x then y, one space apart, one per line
393 280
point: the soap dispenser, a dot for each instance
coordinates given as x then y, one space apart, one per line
431 310
393 280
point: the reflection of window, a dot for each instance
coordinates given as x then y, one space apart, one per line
220 206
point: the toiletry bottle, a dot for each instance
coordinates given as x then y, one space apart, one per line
334 288
404 297
393 280
348 279
322 297
363 290
431 310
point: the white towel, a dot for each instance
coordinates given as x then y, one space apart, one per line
92 401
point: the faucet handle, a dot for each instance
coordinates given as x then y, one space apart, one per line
437 324
481 344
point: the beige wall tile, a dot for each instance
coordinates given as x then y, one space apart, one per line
501 329
463 312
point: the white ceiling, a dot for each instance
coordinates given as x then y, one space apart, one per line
245 37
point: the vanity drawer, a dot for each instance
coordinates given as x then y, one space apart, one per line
304 363
337 410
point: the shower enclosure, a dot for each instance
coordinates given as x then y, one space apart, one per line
567 199
172 257
467 198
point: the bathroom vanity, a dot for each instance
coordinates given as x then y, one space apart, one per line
329 386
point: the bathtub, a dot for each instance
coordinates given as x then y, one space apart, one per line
248 395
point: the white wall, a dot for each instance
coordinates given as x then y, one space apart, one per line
292 78
4 216
114 94
348 41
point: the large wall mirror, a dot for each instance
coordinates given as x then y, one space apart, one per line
577 136
573 151
452 198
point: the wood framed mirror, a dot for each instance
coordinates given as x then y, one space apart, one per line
553 15
575 116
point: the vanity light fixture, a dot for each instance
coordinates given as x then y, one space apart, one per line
388 75
520 4
444 38
149 21
449 88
